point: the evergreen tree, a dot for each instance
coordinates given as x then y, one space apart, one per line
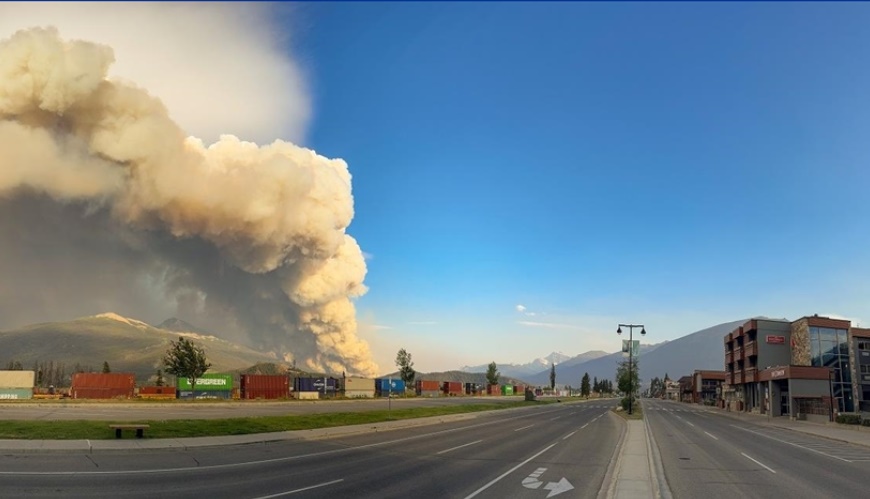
492 374
406 367
159 381
553 376
584 386
106 368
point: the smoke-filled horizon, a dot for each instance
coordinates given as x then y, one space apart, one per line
107 205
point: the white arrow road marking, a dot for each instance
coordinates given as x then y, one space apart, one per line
531 481
557 488
508 472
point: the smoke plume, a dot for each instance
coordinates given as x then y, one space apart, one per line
105 201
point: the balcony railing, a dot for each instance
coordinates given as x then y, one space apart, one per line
750 375
751 349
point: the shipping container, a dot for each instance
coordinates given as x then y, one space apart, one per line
493 390
451 388
156 392
473 388
264 386
16 393
358 387
423 386
17 379
507 390
315 385
205 394
519 389
217 382
385 387
100 393
104 380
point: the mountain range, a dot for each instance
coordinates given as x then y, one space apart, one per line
522 371
702 349
127 345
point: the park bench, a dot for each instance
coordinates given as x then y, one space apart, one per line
140 429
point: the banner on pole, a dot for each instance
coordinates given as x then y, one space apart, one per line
635 347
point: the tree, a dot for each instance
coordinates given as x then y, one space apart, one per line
159 381
492 374
106 368
584 385
627 382
406 367
186 360
595 386
553 376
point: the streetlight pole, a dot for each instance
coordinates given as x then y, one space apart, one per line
630 349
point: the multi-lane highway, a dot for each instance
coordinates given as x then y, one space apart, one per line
557 450
706 453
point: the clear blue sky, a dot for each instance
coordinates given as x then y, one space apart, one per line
679 165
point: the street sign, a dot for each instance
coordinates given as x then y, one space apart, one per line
555 488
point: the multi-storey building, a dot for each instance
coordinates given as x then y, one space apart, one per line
707 386
812 366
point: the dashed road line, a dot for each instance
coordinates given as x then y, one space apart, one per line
768 468
458 447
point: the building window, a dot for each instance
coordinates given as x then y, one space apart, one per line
829 348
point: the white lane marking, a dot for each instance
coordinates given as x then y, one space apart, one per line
569 435
690 424
508 472
524 427
711 436
301 490
584 426
458 447
758 463
553 419
791 443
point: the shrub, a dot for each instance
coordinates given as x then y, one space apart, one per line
865 422
848 418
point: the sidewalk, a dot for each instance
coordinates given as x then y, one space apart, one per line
853 434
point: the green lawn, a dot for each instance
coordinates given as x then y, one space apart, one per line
178 428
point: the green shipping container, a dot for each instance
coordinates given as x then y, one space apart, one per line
16 393
208 382
507 389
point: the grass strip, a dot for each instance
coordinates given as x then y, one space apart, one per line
184 428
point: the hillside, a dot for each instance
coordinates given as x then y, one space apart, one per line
462 377
126 344
699 350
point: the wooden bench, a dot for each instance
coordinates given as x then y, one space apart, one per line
140 429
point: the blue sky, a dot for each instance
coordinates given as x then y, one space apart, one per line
679 165
528 175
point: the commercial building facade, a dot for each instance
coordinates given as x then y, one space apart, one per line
811 367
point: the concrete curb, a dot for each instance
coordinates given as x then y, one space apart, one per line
657 471
608 486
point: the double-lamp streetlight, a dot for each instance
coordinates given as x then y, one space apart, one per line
630 349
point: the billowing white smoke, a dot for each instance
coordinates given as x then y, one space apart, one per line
251 238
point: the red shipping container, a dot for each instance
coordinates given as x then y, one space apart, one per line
264 386
427 386
101 393
452 388
493 390
103 380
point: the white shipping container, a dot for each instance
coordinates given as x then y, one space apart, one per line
351 394
358 384
17 379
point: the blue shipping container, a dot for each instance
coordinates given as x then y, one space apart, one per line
385 386
314 384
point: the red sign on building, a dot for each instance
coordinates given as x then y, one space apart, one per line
776 340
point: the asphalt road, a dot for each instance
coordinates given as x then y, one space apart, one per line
121 411
558 450
707 454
